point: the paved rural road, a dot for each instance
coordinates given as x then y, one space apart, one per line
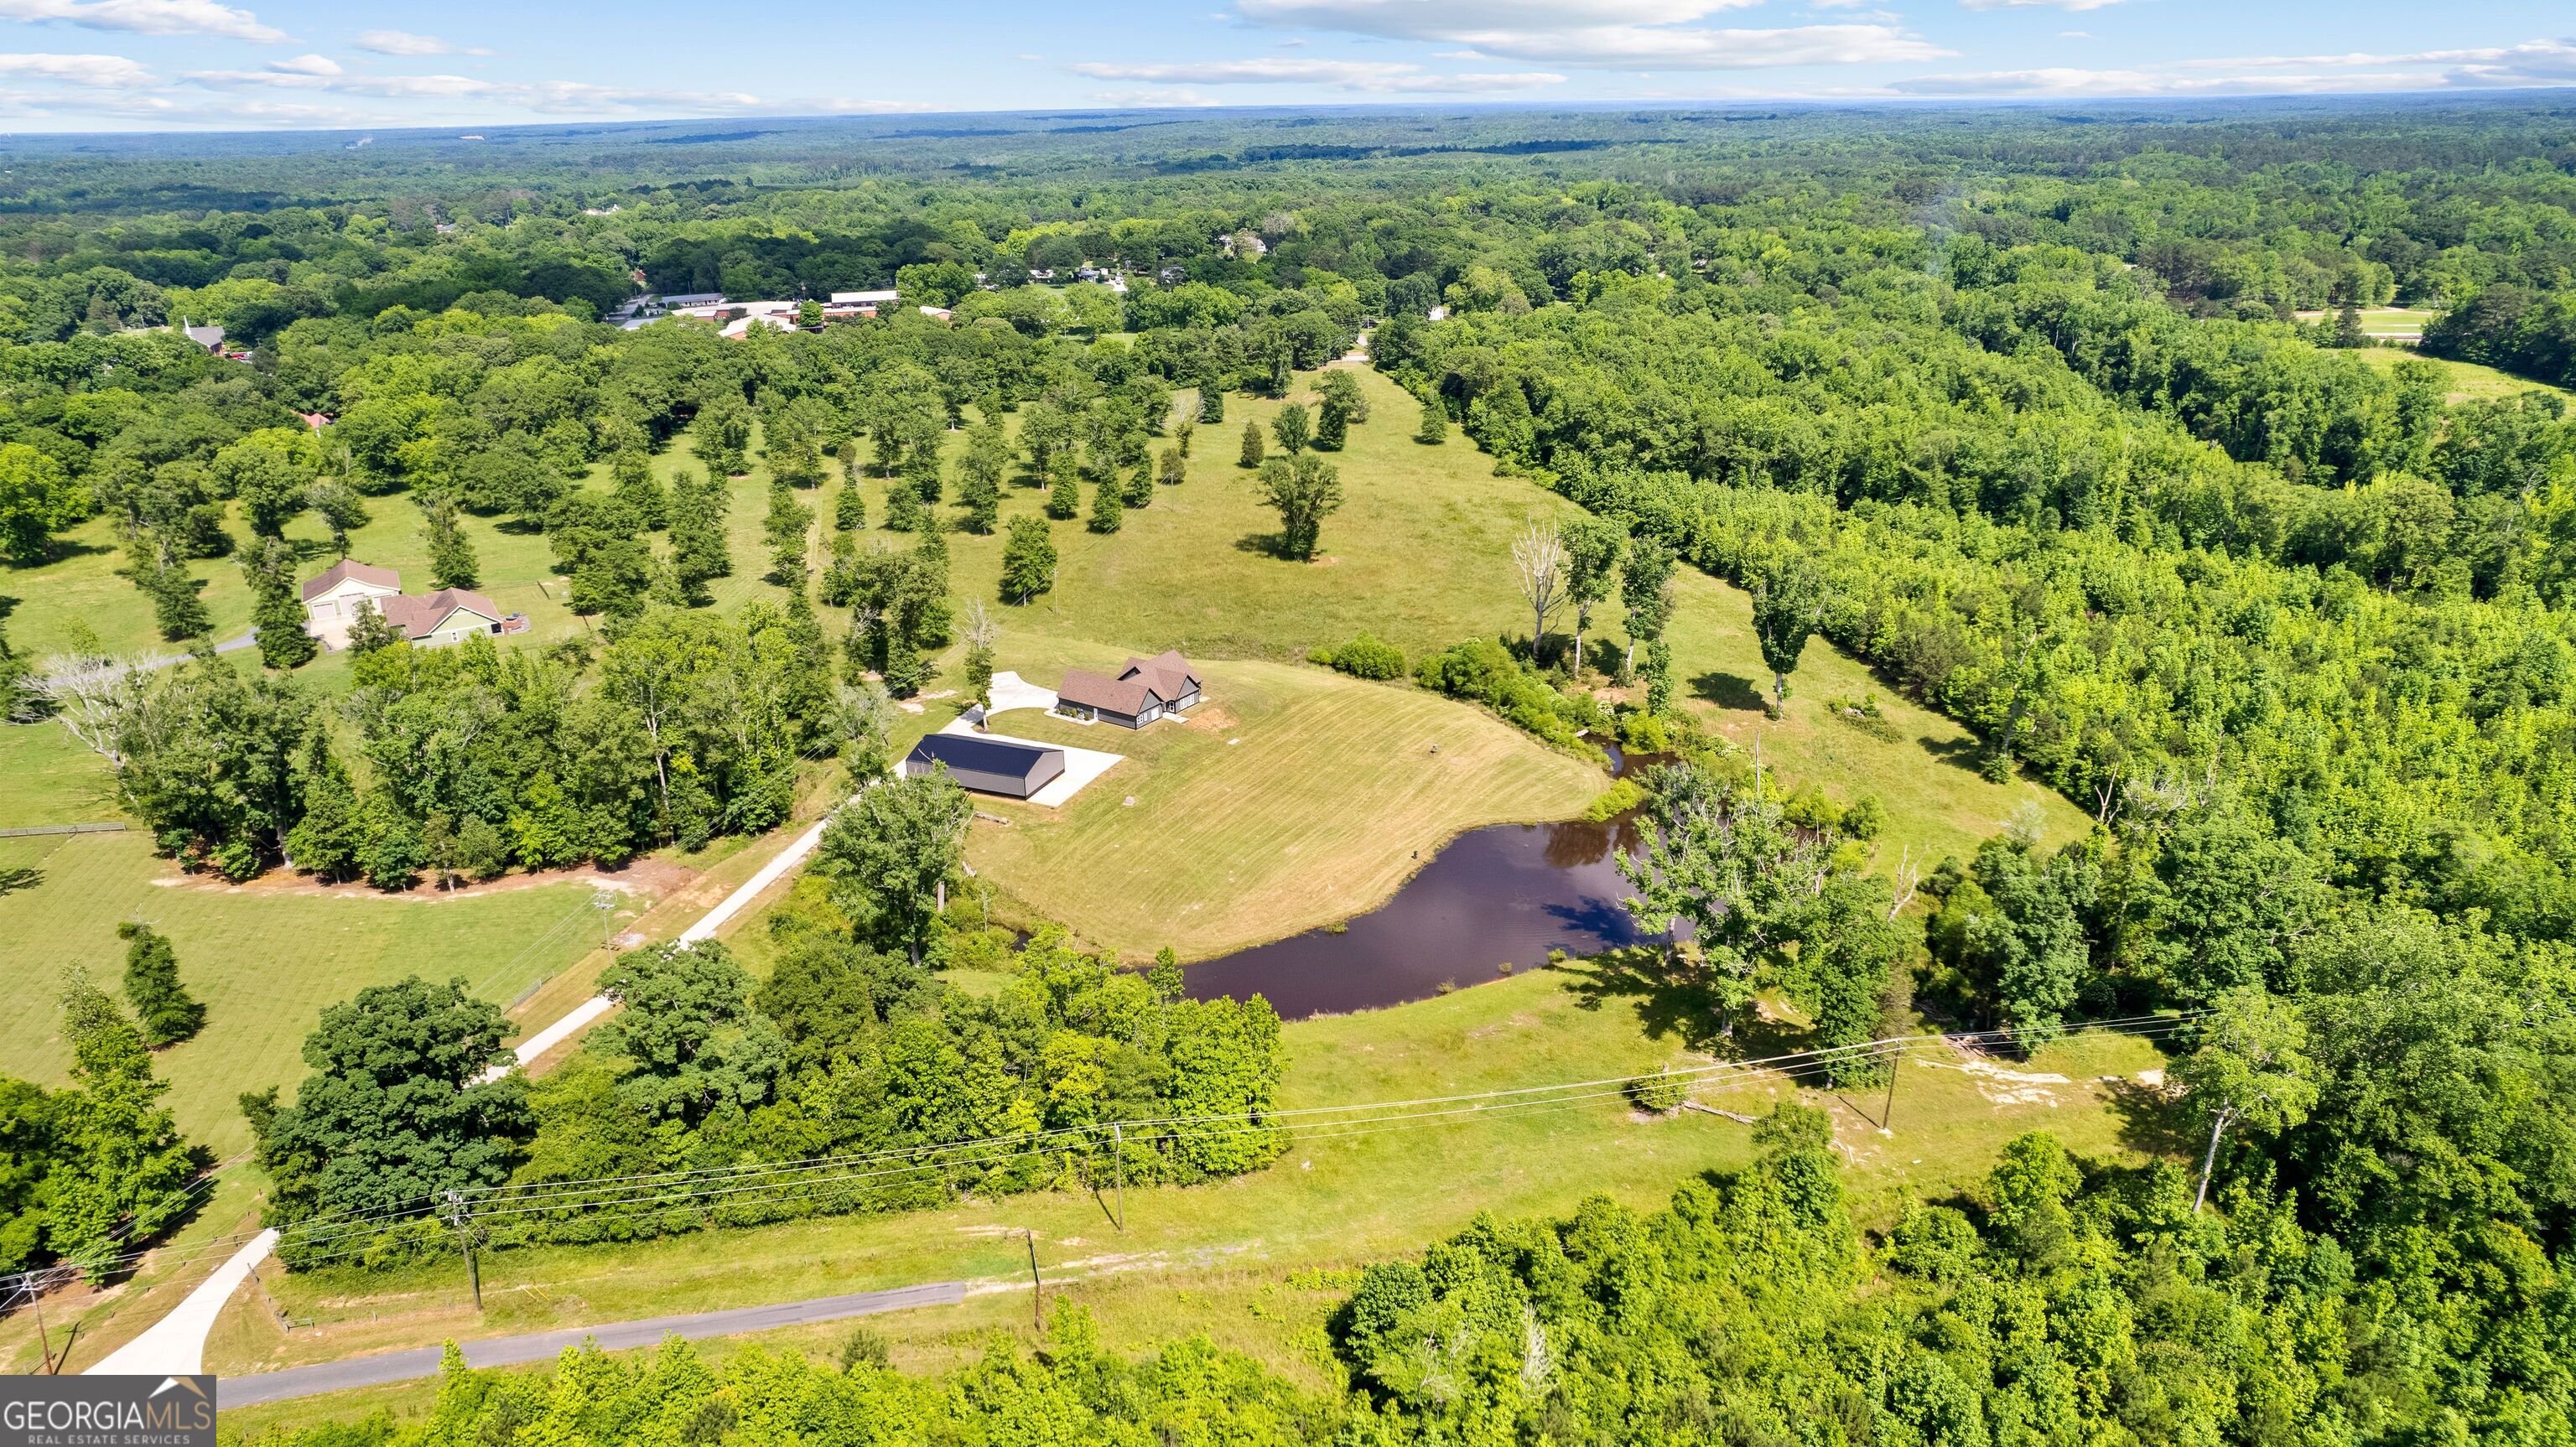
164 660
547 1345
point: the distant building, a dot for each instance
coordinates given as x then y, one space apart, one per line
1006 767
865 298
209 337
333 601
1144 690
694 298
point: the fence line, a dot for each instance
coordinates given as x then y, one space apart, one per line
36 829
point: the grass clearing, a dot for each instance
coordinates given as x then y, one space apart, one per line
2467 381
1220 1259
1920 764
1294 797
265 958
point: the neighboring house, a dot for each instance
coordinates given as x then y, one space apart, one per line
332 601
446 616
1006 767
209 337
1144 690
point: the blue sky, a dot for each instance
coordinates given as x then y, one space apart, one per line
205 64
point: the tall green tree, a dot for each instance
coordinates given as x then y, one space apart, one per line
1303 491
1592 550
688 1030
163 1007
277 611
37 500
402 1104
1788 606
1028 560
452 563
889 852
123 1167
2250 1067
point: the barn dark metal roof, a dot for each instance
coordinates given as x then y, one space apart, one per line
990 756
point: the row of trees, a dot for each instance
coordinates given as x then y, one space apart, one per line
851 1046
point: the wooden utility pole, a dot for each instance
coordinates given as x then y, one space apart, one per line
1037 1288
1118 1159
465 1237
1887 1112
37 1298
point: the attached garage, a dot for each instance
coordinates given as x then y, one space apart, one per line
1006 767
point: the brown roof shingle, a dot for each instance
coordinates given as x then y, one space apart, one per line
347 568
419 616
1084 689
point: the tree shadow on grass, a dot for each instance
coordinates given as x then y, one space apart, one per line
13 880
2152 1121
1727 690
1675 1002
1966 753
1268 545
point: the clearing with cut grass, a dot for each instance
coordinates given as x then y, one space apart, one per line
1292 798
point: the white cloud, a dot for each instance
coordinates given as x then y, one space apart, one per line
2531 64
1153 99
2039 4
554 97
403 42
146 17
95 72
1647 35
1375 76
306 65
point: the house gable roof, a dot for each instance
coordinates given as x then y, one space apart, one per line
346 569
1084 689
419 617
1167 673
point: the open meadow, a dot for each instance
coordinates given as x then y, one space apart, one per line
1294 797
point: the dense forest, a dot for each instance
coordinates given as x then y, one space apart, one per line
2020 412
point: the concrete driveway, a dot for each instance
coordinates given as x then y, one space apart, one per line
1012 691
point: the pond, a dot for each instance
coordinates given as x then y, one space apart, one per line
1508 893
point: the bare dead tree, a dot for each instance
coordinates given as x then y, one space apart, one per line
983 630
1909 876
91 694
1538 565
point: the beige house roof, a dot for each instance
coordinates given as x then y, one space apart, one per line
345 569
419 617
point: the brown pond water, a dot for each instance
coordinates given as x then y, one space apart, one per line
1511 892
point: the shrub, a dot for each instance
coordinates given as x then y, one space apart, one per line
1644 733
1367 656
1865 817
1661 1093
1622 796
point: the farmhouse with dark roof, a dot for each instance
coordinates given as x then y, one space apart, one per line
1144 690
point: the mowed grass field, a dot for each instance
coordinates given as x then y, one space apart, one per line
2468 382
264 960
1250 1262
1294 797
80 588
